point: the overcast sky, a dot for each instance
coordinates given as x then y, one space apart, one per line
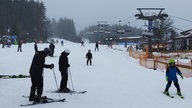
88 12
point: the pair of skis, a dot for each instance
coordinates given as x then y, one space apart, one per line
51 100
48 100
180 95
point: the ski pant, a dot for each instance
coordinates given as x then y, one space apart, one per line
37 84
89 61
19 49
52 52
64 79
97 48
169 85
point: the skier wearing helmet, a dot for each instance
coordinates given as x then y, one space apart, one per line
63 68
171 76
36 73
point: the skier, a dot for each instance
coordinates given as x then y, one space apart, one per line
89 57
171 72
82 43
63 68
52 47
62 42
36 73
137 47
19 46
97 46
35 47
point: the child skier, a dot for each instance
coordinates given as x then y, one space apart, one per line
171 72
63 68
89 57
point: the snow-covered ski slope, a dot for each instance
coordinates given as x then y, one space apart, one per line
115 80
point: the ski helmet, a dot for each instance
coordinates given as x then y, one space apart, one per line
67 51
171 61
47 50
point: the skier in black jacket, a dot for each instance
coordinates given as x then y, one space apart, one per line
89 57
52 48
36 73
63 68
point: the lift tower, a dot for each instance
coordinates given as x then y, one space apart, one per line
150 19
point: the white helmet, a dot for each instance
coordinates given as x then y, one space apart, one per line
67 51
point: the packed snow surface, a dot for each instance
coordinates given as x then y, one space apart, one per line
115 80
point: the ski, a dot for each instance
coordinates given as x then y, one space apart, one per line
48 101
13 76
46 97
181 96
168 95
72 92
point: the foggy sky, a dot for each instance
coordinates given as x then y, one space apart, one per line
88 12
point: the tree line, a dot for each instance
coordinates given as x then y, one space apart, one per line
63 28
27 20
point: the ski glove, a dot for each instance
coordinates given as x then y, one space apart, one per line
166 78
181 76
52 66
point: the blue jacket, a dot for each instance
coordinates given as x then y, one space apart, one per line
172 72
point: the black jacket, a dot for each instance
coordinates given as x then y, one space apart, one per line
52 46
38 64
63 62
89 55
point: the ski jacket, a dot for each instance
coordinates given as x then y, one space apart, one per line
38 64
52 46
89 55
63 62
172 72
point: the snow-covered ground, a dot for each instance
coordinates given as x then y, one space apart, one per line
115 80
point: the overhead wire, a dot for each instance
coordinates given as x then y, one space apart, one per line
181 18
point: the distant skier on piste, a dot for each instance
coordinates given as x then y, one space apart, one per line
89 57
171 76
63 68
52 48
36 73
97 46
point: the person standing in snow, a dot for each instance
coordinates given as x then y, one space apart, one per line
82 43
52 47
171 76
62 42
19 46
63 68
97 46
36 73
89 57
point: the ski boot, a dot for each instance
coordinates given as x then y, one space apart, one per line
166 92
179 93
40 99
65 90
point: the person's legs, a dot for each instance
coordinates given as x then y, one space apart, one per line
177 86
167 87
33 88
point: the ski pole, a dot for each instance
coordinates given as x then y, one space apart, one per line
56 83
71 80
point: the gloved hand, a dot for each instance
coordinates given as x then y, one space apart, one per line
181 76
166 78
68 65
52 66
